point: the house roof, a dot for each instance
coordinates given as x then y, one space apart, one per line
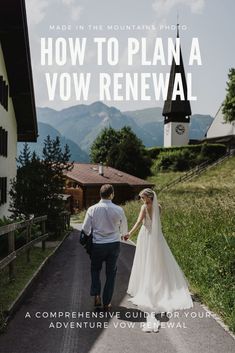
15 46
88 174
177 107
219 128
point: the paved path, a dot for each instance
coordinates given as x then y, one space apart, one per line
63 286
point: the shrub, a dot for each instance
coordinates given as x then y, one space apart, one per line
185 157
153 152
176 160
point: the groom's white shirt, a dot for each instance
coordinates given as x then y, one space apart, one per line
107 220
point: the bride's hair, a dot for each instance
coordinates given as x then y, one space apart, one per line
147 192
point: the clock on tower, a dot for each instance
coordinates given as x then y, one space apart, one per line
180 129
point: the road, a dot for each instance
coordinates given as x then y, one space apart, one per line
62 292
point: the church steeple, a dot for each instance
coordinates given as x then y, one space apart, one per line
176 112
177 35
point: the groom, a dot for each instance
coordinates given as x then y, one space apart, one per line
107 222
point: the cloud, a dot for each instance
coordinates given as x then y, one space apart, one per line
163 7
197 6
36 11
68 2
76 12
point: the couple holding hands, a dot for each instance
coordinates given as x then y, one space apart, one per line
156 283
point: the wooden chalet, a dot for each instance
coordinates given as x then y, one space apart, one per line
84 181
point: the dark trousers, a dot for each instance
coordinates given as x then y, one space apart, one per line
107 253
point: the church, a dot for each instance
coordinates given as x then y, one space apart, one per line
176 112
221 132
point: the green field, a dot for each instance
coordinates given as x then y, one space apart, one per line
198 220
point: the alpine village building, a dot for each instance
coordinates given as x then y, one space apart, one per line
17 106
221 132
176 112
84 181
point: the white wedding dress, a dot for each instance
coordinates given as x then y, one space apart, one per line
156 282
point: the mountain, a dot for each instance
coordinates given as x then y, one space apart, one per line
82 123
152 121
199 125
44 130
145 116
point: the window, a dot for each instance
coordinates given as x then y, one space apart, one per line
3 142
3 93
3 190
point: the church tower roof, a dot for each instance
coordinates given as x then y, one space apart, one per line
177 108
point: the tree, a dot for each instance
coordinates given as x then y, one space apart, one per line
39 184
55 163
229 103
102 144
25 156
123 150
26 188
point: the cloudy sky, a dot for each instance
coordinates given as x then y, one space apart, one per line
212 21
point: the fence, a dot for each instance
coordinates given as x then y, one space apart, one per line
65 220
195 171
10 231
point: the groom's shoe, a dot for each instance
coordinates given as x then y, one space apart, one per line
97 301
107 307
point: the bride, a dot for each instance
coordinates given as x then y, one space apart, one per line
156 281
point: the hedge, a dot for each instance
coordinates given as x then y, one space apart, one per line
185 157
153 152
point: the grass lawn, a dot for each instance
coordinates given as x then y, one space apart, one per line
198 220
24 271
163 178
